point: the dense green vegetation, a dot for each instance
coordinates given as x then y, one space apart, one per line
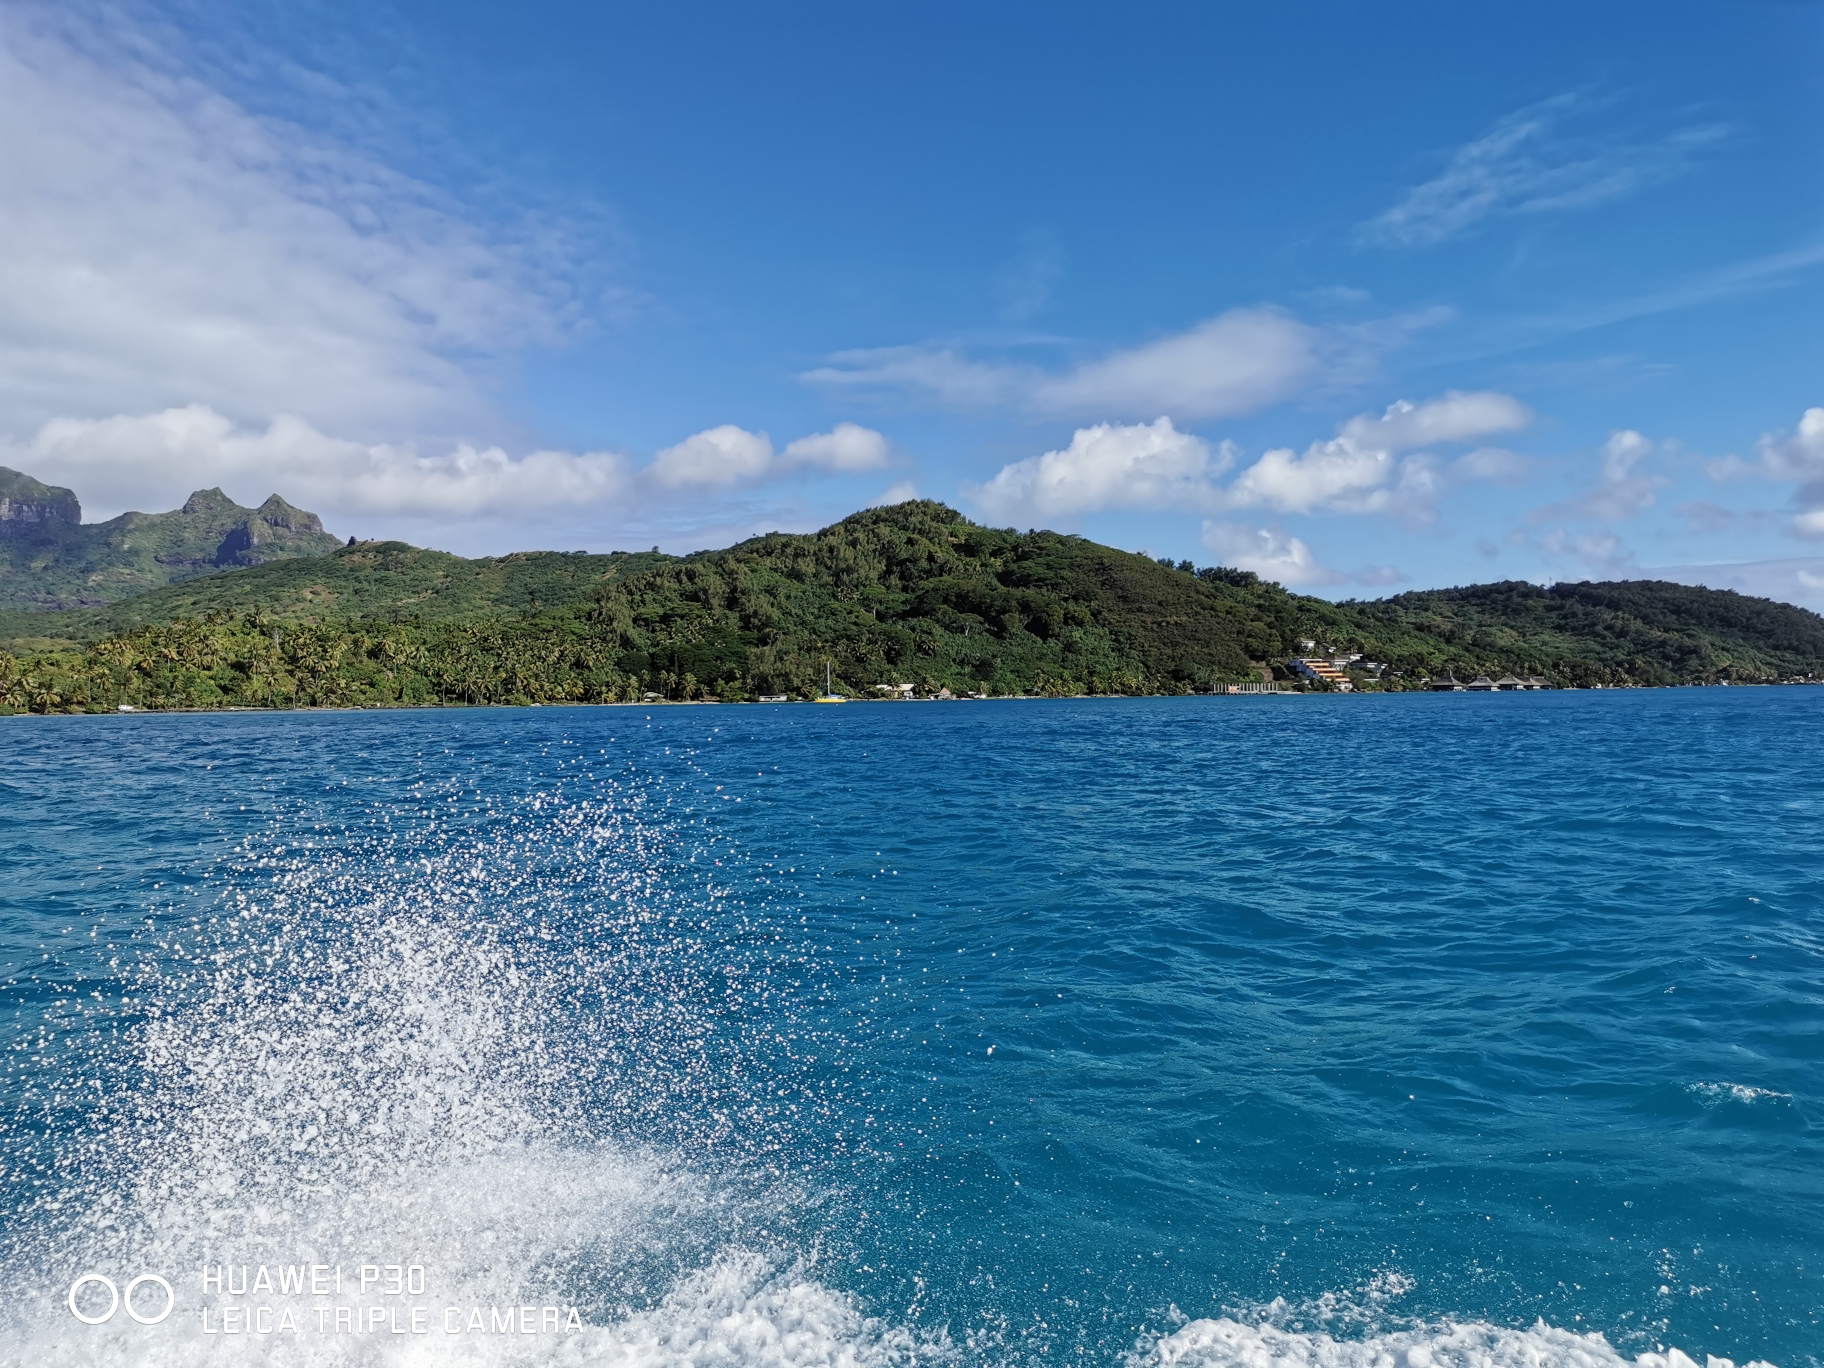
1624 632
378 581
50 558
912 594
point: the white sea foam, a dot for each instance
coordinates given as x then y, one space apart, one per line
1226 1343
458 1053
1736 1092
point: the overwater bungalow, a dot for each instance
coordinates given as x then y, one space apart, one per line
1448 684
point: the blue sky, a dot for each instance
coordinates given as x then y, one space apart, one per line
1362 297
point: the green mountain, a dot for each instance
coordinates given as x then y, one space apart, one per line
51 559
913 594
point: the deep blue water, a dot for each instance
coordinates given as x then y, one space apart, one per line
1017 1032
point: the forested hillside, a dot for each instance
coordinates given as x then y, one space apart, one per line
910 594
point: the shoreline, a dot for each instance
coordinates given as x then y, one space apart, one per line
137 710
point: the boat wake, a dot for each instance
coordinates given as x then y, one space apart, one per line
434 1097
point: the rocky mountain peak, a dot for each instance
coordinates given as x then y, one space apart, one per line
275 512
25 502
50 558
210 501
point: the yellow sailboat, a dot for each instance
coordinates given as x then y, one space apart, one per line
829 694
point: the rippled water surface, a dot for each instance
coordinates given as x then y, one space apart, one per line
1397 1031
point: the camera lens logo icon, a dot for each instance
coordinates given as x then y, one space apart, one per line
115 1299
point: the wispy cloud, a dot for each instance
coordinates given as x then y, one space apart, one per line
1623 487
1238 361
164 246
1024 285
1534 161
1593 553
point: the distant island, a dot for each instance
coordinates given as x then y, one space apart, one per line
263 608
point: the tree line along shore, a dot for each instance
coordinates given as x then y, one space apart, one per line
913 594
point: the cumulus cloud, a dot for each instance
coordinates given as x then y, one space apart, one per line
1529 164
1795 457
729 455
1363 469
1625 489
1270 552
162 246
1369 467
151 461
846 448
720 456
1235 362
1110 465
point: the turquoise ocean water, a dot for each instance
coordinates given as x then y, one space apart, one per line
1403 1031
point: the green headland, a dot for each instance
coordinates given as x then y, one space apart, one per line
913 594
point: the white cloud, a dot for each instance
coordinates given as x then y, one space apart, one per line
1786 458
1623 451
1799 456
729 455
1364 469
1494 465
1270 552
1110 465
846 448
1525 164
1235 362
940 375
161 246
1623 486
151 461
1625 490
721 456
1361 470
